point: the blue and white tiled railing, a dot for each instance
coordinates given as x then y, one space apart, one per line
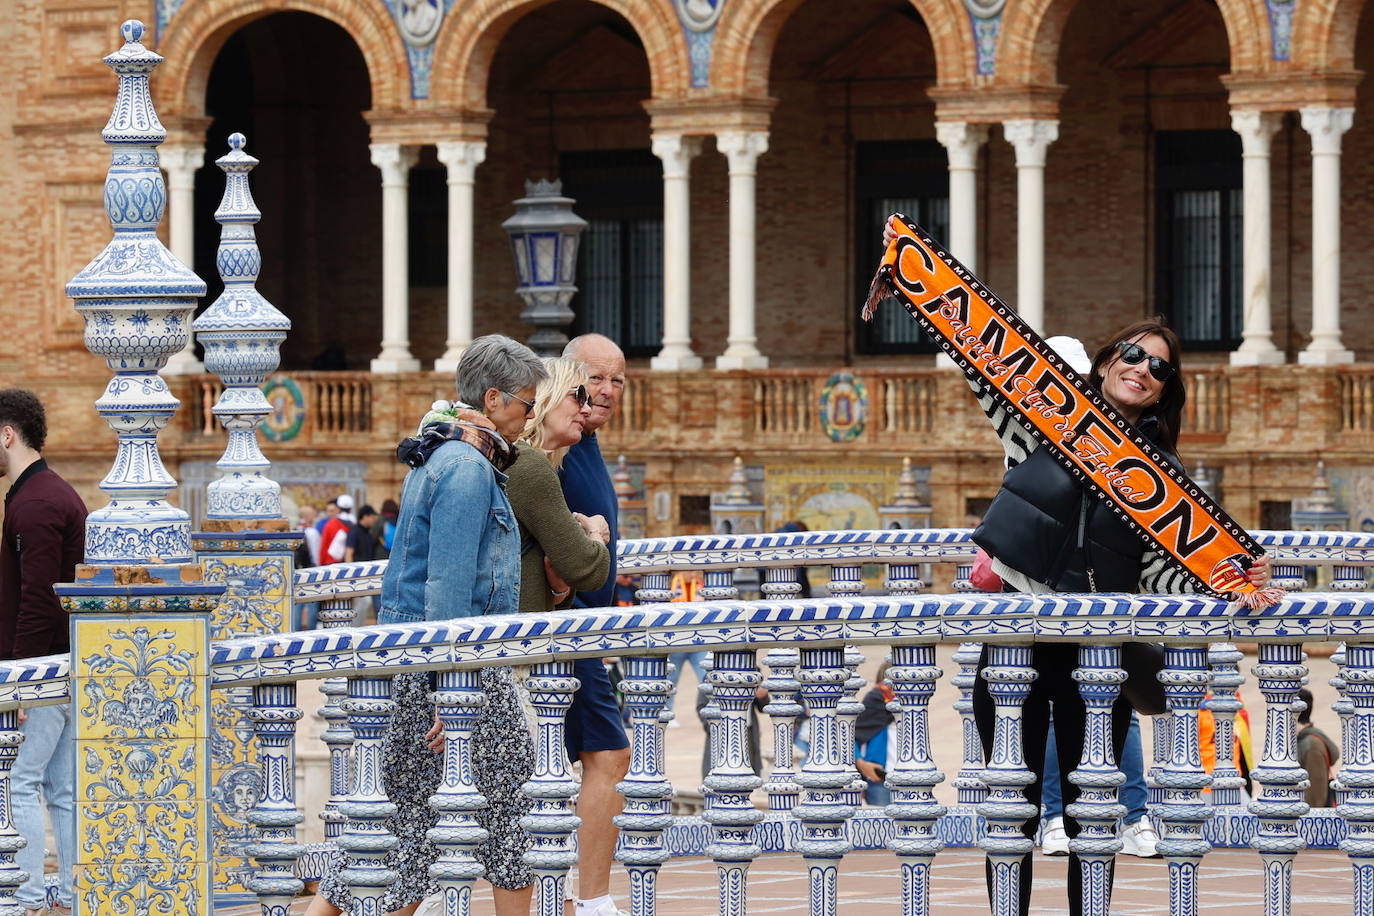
802 644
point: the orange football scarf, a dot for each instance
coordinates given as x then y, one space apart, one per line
989 341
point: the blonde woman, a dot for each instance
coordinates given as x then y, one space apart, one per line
561 553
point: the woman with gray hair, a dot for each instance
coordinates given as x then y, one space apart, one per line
456 553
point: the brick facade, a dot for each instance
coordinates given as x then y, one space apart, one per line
536 80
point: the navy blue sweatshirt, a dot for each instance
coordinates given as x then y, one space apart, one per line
588 489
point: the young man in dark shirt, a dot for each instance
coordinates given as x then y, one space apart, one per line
44 536
360 546
595 733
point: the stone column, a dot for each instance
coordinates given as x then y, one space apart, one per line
1030 138
1326 125
677 152
395 162
1256 128
180 163
962 141
742 148
461 158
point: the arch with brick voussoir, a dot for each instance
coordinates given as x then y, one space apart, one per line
747 36
1028 43
473 30
1324 35
201 27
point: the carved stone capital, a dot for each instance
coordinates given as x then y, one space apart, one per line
677 152
461 158
1256 129
394 160
1326 126
742 148
1031 138
961 140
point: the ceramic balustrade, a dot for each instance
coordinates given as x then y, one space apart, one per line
647 792
825 778
458 700
817 630
551 821
1224 704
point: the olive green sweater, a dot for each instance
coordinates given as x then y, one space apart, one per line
547 528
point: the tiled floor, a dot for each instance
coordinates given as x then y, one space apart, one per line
870 885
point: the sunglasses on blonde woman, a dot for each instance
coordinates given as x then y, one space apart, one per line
580 395
1132 354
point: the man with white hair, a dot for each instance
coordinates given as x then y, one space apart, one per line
334 538
595 733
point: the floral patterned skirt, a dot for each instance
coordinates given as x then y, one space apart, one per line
503 759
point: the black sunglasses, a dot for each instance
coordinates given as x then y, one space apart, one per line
580 395
1132 354
529 407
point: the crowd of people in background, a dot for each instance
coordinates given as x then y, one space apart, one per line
338 535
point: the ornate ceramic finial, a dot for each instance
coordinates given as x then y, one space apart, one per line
1320 500
241 333
620 480
738 493
907 492
136 299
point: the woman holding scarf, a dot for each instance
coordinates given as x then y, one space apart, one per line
1046 533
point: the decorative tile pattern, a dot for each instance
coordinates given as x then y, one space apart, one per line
419 21
698 18
985 18
1281 27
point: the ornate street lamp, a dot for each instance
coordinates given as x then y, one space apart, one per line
544 234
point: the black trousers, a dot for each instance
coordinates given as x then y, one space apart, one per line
1054 684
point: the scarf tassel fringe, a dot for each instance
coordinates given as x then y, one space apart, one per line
1260 598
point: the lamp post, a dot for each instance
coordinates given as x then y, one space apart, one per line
544 235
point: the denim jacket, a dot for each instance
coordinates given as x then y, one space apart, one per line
456 551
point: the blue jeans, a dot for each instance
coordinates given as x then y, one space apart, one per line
1132 764
696 659
46 761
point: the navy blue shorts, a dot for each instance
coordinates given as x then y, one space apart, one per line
593 722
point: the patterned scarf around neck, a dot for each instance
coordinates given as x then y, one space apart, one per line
455 423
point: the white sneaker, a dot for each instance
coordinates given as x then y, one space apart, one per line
1139 839
1054 841
606 907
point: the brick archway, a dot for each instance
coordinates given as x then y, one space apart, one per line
1324 35
1032 31
473 31
201 27
747 36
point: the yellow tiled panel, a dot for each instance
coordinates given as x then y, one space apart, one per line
136 644
164 832
114 771
255 575
138 887
162 706
245 615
